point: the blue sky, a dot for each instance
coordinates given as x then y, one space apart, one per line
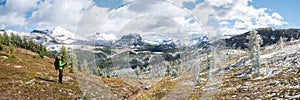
26 15
288 9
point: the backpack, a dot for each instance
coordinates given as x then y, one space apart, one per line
56 65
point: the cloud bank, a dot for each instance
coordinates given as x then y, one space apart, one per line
83 16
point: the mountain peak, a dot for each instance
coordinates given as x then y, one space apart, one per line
60 29
62 35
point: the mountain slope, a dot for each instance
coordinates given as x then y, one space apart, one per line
29 76
269 35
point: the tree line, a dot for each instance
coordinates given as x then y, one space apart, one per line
15 41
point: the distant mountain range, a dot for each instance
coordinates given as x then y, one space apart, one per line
269 35
59 36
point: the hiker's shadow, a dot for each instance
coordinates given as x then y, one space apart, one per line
44 79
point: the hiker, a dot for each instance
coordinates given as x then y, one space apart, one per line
59 65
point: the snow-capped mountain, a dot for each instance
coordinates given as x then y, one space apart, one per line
137 41
127 40
105 39
270 36
62 35
42 37
57 35
202 41
21 34
55 38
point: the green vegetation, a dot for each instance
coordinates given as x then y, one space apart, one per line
106 50
1 47
85 68
15 41
73 62
159 90
103 67
1 43
6 39
11 53
64 51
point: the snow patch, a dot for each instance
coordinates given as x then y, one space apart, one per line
9 32
106 36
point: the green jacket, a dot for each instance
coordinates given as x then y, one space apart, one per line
61 64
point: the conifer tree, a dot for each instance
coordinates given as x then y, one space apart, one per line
13 39
43 50
1 45
31 45
11 53
73 62
25 43
64 51
1 39
19 41
6 39
85 67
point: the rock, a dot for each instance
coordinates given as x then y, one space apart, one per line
4 57
67 78
31 81
18 66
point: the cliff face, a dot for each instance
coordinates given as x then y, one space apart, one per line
270 36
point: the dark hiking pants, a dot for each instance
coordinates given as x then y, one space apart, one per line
60 76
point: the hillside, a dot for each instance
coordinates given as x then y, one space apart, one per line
29 76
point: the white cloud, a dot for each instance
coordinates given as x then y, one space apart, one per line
151 23
219 3
91 20
65 13
14 12
180 2
267 20
244 16
20 6
276 15
224 23
176 2
12 19
106 36
160 20
152 18
68 13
